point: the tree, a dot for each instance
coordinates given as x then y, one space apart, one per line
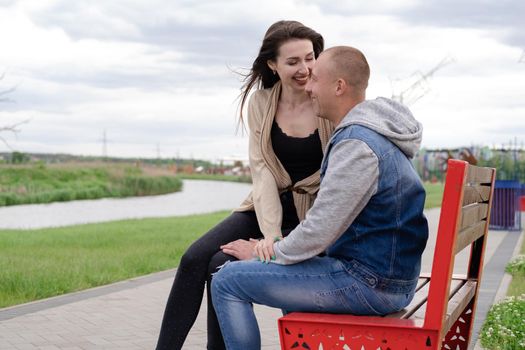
19 158
9 128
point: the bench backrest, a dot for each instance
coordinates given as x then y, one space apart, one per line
465 212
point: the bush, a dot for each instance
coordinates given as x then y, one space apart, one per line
516 266
504 328
40 184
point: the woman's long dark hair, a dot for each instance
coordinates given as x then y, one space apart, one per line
260 74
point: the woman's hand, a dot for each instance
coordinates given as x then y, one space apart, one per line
264 249
241 249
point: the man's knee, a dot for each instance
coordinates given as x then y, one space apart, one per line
218 282
226 277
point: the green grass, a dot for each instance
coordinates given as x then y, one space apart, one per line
216 177
434 194
517 269
36 264
504 327
42 184
46 262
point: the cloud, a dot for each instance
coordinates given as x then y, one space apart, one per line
502 19
192 28
160 72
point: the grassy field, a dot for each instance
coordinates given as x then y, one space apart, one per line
434 194
41 263
504 327
517 286
39 183
215 177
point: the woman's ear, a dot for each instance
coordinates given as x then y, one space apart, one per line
272 65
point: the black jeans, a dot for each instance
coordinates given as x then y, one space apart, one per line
195 271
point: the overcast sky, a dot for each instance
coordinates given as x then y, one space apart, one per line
159 76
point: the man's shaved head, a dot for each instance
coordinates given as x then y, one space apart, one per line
349 64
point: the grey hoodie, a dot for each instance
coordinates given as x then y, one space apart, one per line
339 200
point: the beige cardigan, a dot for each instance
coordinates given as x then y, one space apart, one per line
269 177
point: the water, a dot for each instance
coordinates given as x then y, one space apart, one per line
197 197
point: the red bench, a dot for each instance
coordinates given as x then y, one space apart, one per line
441 314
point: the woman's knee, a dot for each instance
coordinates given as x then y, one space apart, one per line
193 259
218 261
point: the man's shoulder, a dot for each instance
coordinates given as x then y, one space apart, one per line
355 131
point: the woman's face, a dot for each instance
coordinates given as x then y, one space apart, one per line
294 62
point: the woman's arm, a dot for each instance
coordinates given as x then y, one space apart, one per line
265 192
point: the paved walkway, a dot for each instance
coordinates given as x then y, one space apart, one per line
127 315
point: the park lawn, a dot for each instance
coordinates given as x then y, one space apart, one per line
215 177
434 194
517 285
42 263
504 327
40 183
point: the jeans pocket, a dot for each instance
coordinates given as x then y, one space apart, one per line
364 302
335 300
349 299
380 302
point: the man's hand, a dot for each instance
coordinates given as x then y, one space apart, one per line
264 249
241 249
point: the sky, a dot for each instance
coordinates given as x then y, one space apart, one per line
161 78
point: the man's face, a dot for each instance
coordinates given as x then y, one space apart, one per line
320 87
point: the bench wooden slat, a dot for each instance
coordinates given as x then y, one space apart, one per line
473 213
458 302
479 175
476 194
469 235
455 285
441 297
420 297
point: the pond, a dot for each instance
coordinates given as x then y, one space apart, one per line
197 196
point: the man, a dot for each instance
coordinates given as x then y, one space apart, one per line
367 218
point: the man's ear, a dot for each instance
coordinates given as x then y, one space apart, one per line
340 87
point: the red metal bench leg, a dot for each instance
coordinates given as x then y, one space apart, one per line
458 336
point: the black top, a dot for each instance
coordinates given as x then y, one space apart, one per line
300 156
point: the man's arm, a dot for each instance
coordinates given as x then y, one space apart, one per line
348 184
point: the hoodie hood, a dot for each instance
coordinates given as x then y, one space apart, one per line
390 119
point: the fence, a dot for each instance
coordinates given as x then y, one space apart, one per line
506 211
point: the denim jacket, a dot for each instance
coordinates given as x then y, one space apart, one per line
384 243
369 209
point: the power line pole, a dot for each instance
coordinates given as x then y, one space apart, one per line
104 145
421 86
105 142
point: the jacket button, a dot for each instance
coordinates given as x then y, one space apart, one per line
371 280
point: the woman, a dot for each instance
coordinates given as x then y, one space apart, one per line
286 148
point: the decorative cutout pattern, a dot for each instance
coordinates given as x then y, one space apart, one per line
457 337
354 337
311 336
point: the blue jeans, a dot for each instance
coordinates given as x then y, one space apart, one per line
320 284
